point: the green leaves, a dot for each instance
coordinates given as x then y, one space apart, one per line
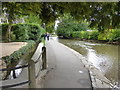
23 32
68 25
34 19
17 55
101 15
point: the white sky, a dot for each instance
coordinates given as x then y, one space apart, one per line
56 24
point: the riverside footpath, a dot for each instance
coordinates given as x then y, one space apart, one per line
65 70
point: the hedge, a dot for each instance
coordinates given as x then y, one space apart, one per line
112 35
17 55
23 32
85 35
22 53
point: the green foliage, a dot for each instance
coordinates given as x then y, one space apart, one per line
34 32
114 35
15 56
86 35
102 36
76 35
34 19
93 35
50 28
20 31
69 25
23 32
3 31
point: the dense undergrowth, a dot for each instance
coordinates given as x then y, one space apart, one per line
22 32
108 36
112 35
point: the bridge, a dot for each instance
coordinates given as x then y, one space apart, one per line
52 66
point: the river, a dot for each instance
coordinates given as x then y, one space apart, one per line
103 56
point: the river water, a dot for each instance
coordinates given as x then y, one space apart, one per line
103 56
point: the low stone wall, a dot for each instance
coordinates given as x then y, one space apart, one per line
97 77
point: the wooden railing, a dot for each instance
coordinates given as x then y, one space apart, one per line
32 75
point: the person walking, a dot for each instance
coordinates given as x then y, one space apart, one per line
48 35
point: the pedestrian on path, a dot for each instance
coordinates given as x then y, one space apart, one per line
48 35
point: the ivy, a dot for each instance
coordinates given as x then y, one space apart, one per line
17 55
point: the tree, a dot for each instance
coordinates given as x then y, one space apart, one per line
102 15
68 25
32 18
18 9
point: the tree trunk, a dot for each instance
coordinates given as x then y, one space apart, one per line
8 33
8 37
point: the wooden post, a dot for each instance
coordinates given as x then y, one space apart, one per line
31 72
44 60
14 74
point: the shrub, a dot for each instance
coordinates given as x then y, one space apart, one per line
23 32
75 34
34 32
114 35
86 35
16 55
93 35
20 31
24 53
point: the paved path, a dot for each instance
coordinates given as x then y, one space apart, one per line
65 70
9 48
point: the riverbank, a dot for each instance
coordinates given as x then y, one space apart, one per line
103 56
102 41
95 41
98 78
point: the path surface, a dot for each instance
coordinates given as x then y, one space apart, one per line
65 70
9 48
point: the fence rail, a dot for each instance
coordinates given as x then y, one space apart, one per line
9 69
31 71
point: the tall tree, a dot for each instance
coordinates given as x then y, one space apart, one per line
103 15
18 9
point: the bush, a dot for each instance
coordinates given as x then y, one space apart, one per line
85 35
24 53
76 34
93 35
16 55
20 31
23 32
27 31
114 35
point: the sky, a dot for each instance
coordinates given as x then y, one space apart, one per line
56 24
